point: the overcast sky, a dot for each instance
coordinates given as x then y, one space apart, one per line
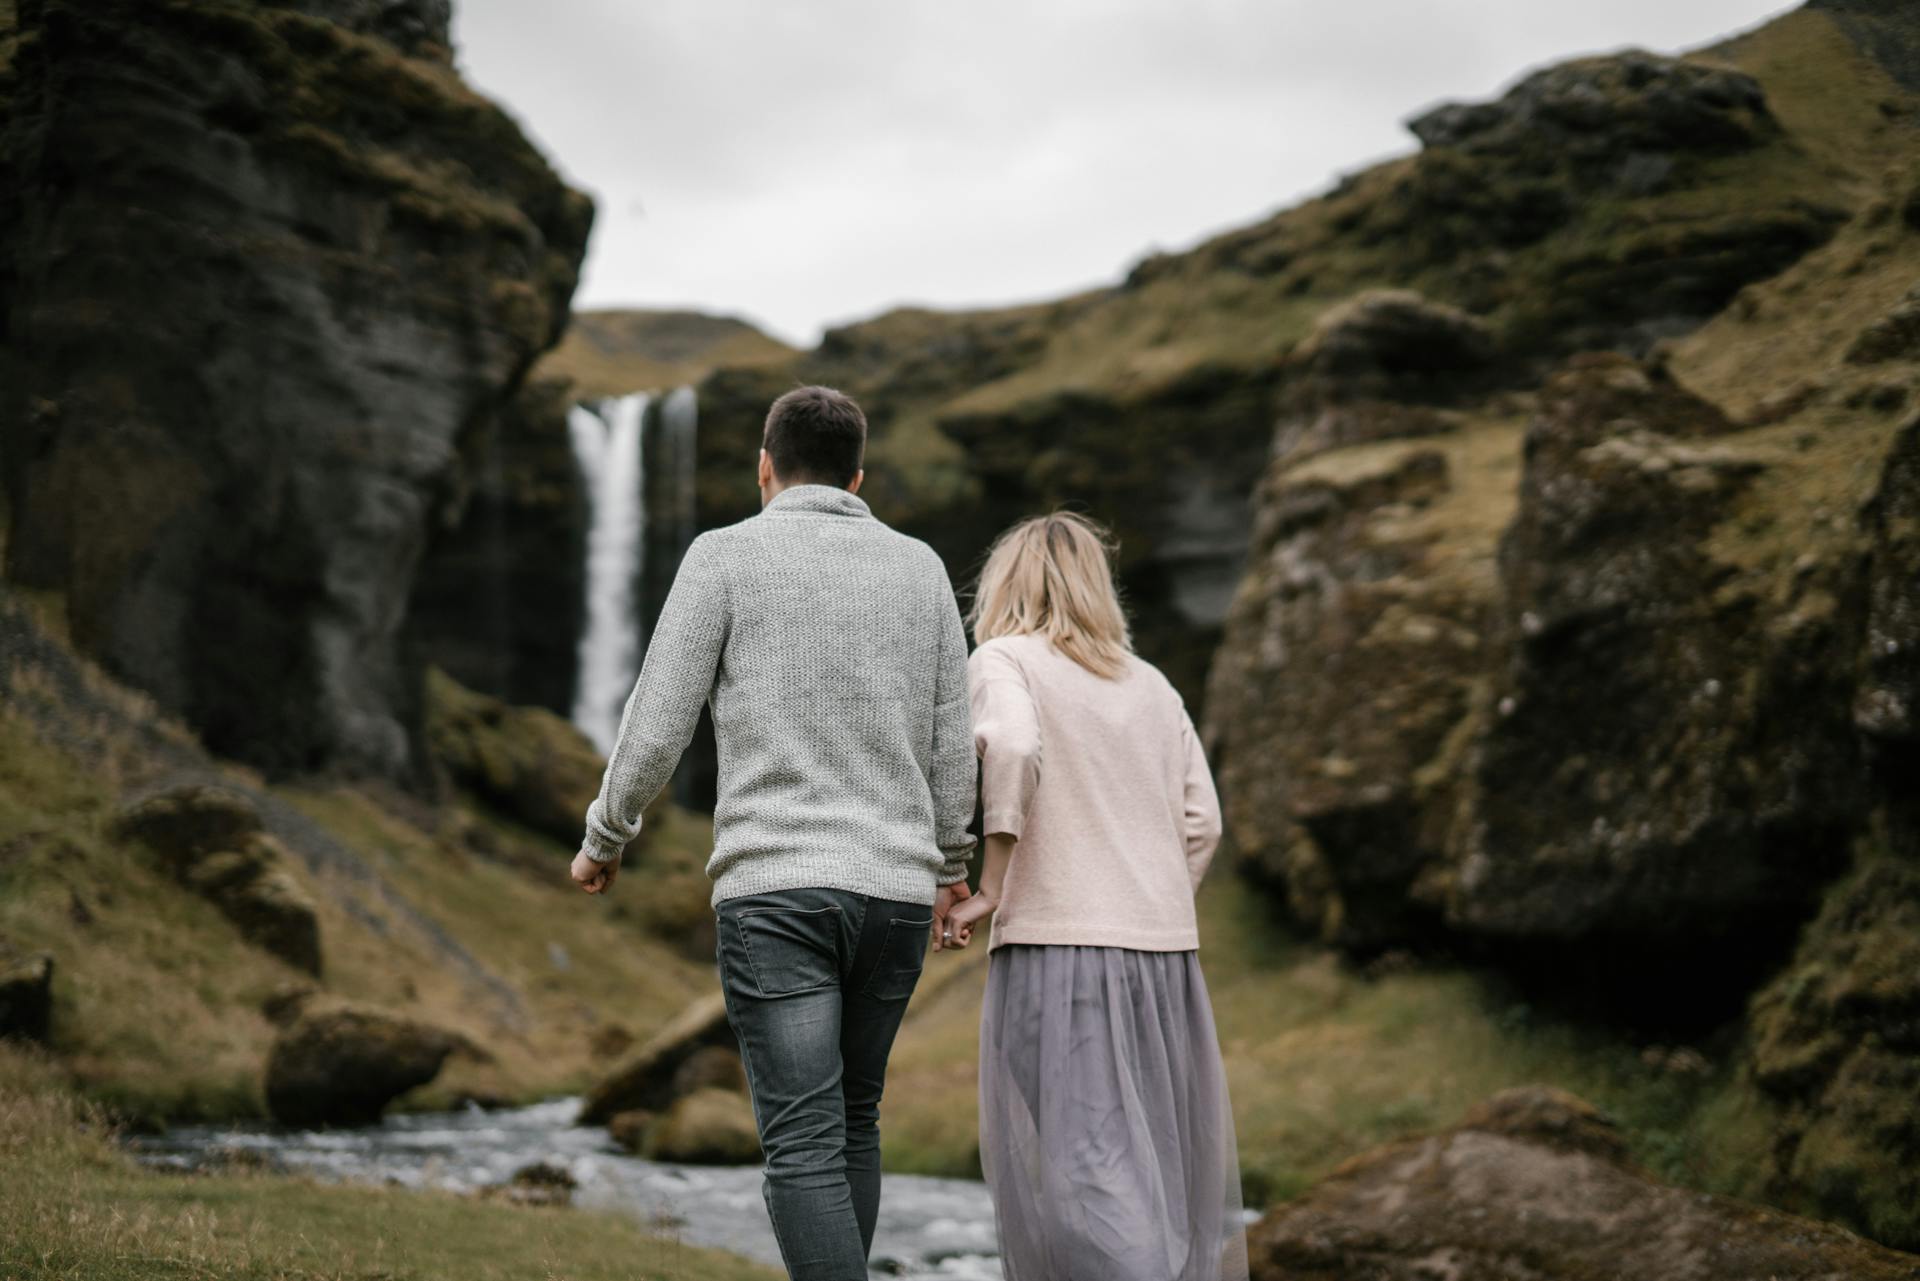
804 164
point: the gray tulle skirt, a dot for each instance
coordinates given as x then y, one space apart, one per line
1105 1135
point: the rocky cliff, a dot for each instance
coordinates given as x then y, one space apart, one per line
268 268
1607 203
1607 678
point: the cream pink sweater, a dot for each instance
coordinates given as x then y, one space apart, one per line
1105 787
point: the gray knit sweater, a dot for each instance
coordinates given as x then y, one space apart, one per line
831 651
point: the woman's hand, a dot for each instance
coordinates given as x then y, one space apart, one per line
962 919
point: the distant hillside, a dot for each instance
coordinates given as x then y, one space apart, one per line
609 353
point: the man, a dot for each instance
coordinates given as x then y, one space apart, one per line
831 651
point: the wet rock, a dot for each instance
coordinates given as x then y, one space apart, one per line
707 1127
1835 1042
1534 1185
268 267
343 1066
647 1080
525 761
211 839
26 997
541 1183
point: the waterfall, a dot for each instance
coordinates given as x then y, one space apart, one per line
607 445
679 421
636 455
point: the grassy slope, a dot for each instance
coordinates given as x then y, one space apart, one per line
157 998
1325 1061
74 1208
609 353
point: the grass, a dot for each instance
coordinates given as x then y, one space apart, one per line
1325 1061
157 998
75 1208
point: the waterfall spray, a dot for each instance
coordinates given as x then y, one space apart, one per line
607 445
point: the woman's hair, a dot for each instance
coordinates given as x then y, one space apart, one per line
1052 576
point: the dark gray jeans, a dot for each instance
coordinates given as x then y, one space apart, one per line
816 983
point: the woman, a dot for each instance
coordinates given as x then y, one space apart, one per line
1104 1131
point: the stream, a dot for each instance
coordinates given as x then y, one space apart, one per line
928 1227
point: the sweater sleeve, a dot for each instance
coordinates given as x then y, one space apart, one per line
1202 804
676 678
953 768
1006 735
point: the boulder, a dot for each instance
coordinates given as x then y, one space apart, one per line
26 997
707 1127
268 267
528 763
183 824
541 1183
1669 770
211 839
344 1065
647 1080
1534 1186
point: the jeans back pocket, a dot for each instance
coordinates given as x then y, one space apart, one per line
790 949
902 954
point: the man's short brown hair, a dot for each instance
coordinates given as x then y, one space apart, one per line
815 435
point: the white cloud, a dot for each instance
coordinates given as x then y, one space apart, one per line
807 164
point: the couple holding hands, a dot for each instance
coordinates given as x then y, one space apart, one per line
851 726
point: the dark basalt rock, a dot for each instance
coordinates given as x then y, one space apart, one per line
267 268
1534 1184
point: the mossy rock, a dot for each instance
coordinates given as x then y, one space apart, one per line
182 824
707 1127
344 1065
1533 1184
1835 1041
526 762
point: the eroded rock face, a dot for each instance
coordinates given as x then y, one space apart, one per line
269 266
1533 1186
1664 769
342 1066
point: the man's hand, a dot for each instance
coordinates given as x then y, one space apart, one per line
594 877
942 904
